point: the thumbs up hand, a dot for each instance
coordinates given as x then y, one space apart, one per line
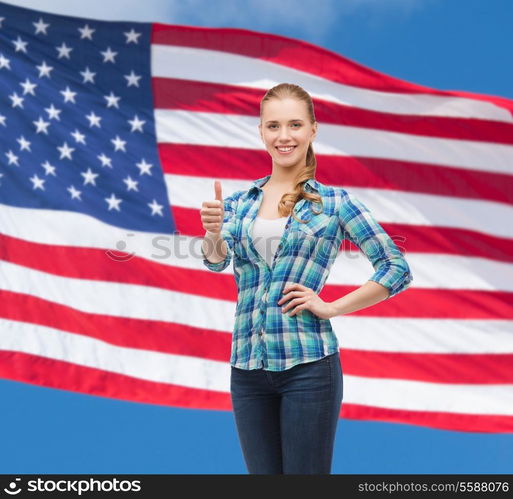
212 212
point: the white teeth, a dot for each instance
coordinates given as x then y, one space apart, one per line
285 149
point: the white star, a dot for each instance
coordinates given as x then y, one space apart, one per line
24 144
112 100
65 151
131 185
79 137
68 95
118 144
12 158
53 112
28 87
64 50
1 175
4 62
132 79
89 177
38 182
41 26
132 36
49 169
109 55
105 160
113 202
156 208
41 125
44 70
74 193
20 45
144 167
93 120
2 120
86 32
136 124
88 75
16 100
2 19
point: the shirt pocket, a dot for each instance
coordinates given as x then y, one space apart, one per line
315 226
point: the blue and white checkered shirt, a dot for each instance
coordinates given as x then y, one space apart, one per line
263 336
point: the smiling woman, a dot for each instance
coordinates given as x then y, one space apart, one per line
286 376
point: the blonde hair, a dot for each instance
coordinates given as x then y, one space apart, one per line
289 199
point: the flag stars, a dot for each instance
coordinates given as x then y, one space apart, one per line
89 177
113 202
156 209
19 44
24 144
53 112
86 32
4 62
44 70
132 79
131 184
69 96
41 125
2 120
79 137
38 183
109 55
94 120
88 75
144 167
132 36
12 158
2 19
65 151
136 124
49 169
64 51
112 100
28 87
105 160
119 145
41 27
74 193
17 100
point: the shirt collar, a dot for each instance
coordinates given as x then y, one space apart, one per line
310 184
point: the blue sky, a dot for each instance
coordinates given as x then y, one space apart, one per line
450 45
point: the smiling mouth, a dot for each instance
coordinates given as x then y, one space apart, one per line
285 149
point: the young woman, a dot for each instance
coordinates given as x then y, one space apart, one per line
284 234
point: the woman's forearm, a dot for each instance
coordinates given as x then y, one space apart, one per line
366 295
214 247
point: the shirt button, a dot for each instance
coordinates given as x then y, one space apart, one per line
260 333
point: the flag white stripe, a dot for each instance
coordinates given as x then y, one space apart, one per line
207 374
232 130
386 205
351 268
144 302
198 64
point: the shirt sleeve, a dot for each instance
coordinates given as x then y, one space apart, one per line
391 268
227 233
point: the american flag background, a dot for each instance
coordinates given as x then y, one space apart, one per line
111 136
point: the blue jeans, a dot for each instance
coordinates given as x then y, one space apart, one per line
287 420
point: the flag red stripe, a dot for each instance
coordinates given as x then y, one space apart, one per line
51 373
409 238
485 423
377 173
66 376
180 339
199 96
300 55
418 302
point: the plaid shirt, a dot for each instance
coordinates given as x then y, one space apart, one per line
265 337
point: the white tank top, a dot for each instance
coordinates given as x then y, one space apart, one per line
266 236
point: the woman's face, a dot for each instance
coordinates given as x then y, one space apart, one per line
286 123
